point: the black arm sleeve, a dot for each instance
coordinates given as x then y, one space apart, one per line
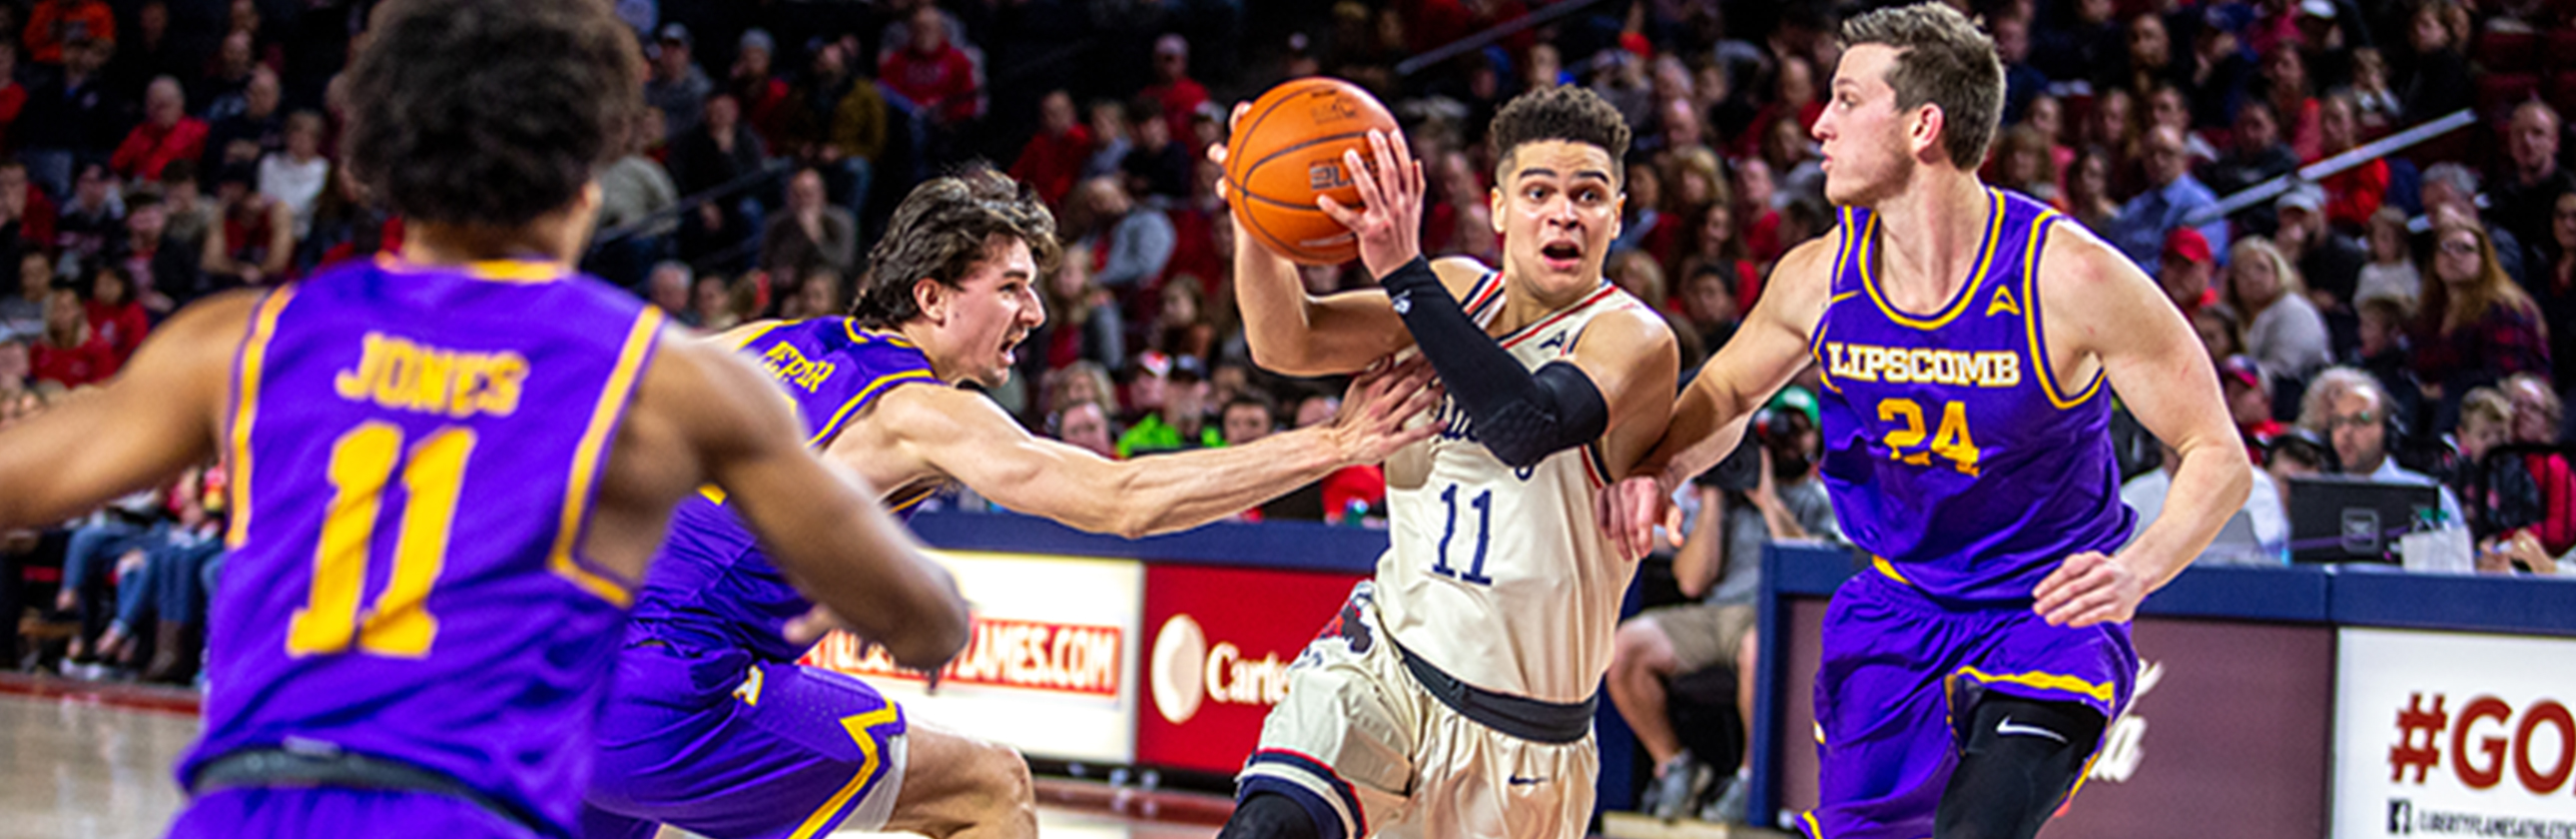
1521 415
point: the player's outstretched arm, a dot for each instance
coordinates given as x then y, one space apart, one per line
966 436
1708 418
2103 306
820 523
159 416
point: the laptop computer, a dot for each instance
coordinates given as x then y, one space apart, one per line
2338 518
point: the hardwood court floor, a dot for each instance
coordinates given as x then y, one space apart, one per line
78 762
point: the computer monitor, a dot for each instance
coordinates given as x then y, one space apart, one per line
2336 518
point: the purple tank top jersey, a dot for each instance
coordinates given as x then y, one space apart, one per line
1949 451
711 587
414 452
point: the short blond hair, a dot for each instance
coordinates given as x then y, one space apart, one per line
1943 60
2256 247
2486 404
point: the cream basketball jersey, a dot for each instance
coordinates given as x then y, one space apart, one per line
1501 576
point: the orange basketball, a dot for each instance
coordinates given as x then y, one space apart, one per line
1288 149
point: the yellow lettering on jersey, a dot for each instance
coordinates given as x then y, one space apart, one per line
2003 302
1907 365
1952 441
790 365
404 375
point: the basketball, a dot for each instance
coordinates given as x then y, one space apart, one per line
1287 150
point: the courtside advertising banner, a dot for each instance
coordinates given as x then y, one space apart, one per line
2443 734
1050 669
1219 645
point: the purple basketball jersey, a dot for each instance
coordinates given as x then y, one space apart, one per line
711 588
1950 452
1952 455
414 452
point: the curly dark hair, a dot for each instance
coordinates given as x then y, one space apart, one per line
489 112
1563 112
940 231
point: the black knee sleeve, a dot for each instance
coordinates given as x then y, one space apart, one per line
2019 760
1269 815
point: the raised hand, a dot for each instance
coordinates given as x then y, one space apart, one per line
1389 220
1372 421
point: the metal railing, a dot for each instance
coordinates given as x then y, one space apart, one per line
2314 172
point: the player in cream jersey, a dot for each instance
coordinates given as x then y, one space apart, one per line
1452 696
1527 608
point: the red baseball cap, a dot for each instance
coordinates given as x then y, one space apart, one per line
2188 244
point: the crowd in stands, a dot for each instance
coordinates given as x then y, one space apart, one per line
2409 317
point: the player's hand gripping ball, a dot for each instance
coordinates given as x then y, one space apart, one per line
1285 150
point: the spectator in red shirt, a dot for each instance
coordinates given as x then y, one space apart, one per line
1755 211
13 96
1181 96
1713 243
2352 194
2286 85
167 134
1052 161
253 239
26 215
1462 219
1644 223
1794 92
1203 238
934 74
69 353
57 22
762 93
113 313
